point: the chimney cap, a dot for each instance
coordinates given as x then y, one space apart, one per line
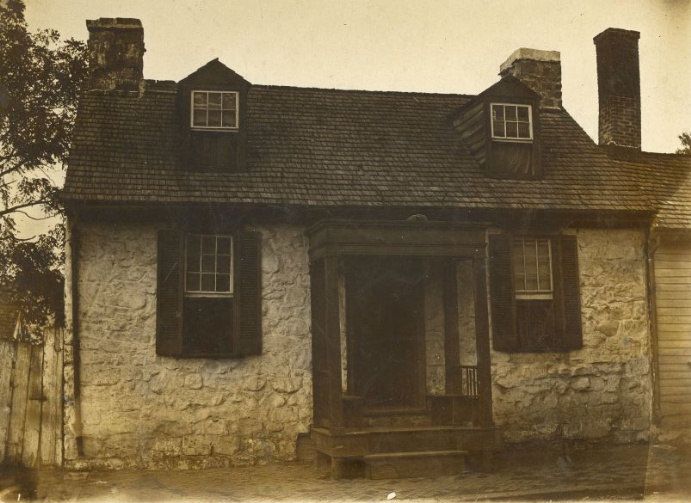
532 54
616 32
109 23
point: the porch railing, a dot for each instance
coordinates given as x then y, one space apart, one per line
469 381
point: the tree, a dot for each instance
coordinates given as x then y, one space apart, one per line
685 139
40 79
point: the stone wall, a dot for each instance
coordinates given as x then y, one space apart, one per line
604 390
140 409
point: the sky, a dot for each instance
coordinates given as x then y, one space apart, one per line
436 46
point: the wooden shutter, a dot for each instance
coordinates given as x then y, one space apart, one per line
169 294
504 334
569 306
248 292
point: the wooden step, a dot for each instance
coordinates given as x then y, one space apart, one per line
395 465
305 450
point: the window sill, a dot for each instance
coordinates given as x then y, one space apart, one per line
228 356
513 140
209 295
214 129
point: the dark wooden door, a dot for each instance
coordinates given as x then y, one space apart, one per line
384 309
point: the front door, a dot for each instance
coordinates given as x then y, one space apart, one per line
384 310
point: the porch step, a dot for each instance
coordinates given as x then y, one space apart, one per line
355 443
393 418
394 465
305 449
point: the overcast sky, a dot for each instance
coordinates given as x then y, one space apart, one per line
429 46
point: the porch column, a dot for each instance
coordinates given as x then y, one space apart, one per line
333 339
452 355
326 349
484 368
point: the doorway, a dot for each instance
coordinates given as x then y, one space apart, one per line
384 313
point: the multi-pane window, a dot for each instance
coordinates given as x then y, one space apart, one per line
511 122
215 109
208 264
532 268
534 292
208 297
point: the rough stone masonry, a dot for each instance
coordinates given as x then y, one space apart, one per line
140 409
137 409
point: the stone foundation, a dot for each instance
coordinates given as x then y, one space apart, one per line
140 409
604 390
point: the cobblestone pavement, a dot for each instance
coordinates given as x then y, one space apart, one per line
656 473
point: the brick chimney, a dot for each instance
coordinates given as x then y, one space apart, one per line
619 88
116 54
540 71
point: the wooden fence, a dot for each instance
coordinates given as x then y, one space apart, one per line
31 401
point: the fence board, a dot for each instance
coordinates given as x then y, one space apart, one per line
20 394
51 418
8 354
32 424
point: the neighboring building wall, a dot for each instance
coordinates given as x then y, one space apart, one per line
140 409
673 310
603 391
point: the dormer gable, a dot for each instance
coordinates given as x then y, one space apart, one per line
501 128
212 112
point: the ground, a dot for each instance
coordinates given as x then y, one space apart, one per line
631 472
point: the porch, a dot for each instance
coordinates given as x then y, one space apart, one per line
401 357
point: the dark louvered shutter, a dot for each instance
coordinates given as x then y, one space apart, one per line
570 322
248 310
169 294
504 334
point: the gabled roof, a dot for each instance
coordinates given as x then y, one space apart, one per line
322 147
214 73
510 86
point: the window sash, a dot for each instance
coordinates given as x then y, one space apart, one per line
208 265
532 266
511 122
214 110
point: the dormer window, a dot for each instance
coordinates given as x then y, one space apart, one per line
215 110
512 122
212 107
501 127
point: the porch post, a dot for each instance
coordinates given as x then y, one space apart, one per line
333 340
452 356
484 368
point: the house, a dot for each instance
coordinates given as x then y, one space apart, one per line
406 279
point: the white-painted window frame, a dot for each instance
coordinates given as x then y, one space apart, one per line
189 291
215 128
510 138
545 286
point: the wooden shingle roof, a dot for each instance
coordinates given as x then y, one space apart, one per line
320 147
666 183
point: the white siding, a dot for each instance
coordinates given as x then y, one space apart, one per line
673 298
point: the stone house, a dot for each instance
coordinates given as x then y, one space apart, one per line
395 276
